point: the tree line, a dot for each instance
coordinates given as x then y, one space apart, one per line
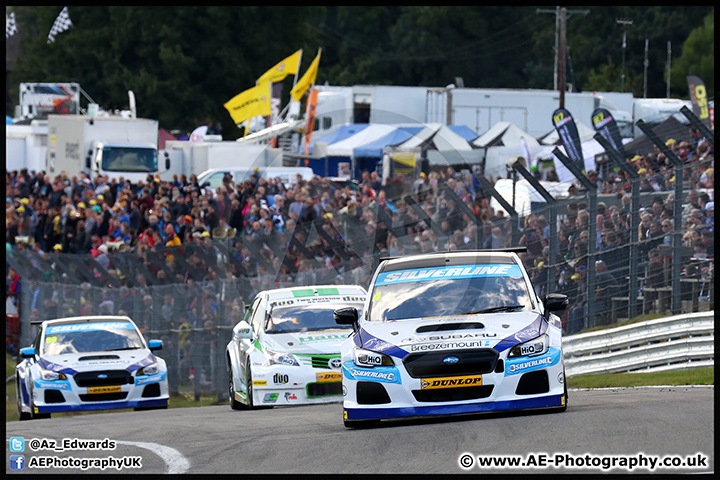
183 63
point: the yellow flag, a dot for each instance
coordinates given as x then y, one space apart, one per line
288 66
250 103
307 80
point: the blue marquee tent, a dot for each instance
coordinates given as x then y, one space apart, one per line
375 148
464 131
340 134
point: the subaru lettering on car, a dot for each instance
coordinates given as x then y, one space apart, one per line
451 333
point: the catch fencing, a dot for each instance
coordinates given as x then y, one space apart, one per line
190 296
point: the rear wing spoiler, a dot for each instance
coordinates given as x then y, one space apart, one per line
497 250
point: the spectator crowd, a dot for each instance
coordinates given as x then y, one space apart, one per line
76 214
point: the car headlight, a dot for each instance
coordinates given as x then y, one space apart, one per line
369 358
531 348
151 369
281 358
51 376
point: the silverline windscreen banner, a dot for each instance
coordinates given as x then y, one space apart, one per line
698 95
568 133
604 123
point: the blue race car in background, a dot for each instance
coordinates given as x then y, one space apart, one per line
89 363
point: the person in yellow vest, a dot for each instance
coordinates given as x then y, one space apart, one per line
171 240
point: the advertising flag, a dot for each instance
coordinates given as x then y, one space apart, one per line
10 26
604 123
250 103
568 133
62 23
199 133
528 154
310 116
307 80
288 66
698 96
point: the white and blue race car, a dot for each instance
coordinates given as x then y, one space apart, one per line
90 363
287 349
451 333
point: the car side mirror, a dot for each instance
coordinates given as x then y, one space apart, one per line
27 352
155 345
555 302
242 331
347 316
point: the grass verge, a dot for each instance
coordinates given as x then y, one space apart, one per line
699 376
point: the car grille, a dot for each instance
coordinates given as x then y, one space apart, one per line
453 394
111 377
317 361
431 364
103 397
324 389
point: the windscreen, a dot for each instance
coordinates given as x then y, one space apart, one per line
91 337
129 159
441 291
304 318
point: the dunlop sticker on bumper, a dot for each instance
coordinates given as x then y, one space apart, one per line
328 377
451 382
110 389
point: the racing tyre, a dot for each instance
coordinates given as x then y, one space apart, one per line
565 393
249 390
36 416
33 415
234 404
22 415
249 387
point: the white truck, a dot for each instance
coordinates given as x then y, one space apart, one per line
653 111
103 145
477 108
197 157
26 146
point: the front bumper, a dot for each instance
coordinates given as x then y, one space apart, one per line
390 392
65 395
285 385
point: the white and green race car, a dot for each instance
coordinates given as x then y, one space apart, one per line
286 351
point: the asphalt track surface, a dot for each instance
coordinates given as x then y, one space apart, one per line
637 423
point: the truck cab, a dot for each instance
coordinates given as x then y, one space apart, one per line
134 161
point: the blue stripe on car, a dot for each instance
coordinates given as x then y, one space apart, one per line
398 412
54 367
376 344
103 406
533 330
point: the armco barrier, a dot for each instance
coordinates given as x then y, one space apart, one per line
672 343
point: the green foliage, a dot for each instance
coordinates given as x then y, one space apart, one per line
698 57
183 63
608 78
